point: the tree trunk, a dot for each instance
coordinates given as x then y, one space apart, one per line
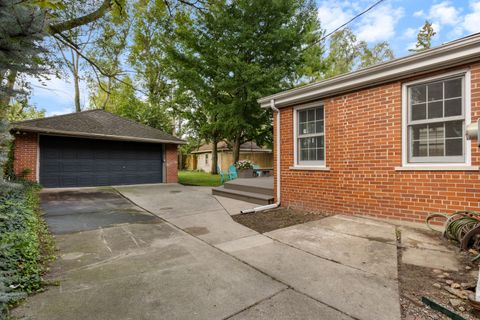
236 149
215 156
107 98
76 80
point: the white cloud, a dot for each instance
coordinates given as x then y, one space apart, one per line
444 13
379 25
436 27
332 15
419 13
471 22
376 25
410 32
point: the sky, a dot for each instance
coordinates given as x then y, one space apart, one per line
395 21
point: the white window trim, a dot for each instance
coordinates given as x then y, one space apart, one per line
317 166
467 165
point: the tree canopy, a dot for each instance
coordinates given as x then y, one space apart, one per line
192 68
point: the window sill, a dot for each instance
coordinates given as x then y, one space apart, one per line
310 168
438 168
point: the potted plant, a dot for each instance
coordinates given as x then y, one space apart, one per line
244 168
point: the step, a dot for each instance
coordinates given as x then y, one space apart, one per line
252 197
248 187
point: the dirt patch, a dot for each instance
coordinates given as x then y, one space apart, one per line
275 219
416 282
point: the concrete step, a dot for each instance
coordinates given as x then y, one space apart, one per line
248 186
252 197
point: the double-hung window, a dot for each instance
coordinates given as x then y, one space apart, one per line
436 121
310 140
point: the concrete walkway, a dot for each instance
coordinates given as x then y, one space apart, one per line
200 264
346 263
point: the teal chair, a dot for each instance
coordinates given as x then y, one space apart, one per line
257 172
223 175
232 172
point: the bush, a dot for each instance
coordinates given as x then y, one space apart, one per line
26 246
244 165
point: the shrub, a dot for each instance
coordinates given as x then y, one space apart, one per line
25 243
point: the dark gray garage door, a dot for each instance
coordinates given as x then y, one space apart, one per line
75 162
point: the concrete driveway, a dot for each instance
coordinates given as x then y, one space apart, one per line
190 260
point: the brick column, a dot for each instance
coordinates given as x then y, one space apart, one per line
171 157
25 155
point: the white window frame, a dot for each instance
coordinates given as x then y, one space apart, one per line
466 164
313 165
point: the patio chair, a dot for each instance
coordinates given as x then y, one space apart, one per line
223 175
232 172
257 172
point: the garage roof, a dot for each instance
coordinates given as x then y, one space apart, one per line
97 124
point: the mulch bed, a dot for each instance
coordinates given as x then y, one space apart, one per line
266 221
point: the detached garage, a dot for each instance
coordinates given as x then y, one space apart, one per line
93 148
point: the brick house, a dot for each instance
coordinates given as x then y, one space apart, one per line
386 141
93 148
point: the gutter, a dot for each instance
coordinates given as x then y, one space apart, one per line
277 146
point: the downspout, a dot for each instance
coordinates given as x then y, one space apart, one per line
277 147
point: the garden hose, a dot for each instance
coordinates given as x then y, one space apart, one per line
456 225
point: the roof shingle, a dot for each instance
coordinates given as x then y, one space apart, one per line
96 124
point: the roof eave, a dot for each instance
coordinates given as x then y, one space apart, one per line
94 135
450 55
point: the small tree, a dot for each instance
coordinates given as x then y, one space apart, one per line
424 37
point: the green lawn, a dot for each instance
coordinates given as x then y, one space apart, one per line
196 178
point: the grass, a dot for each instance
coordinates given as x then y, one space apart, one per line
198 178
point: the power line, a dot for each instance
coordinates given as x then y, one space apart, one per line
343 25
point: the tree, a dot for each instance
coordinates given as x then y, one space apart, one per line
24 25
81 37
424 37
20 52
22 110
107 51
238 51
347 54
151 25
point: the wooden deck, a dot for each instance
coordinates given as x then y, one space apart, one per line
256 190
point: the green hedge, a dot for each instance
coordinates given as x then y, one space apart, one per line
26 246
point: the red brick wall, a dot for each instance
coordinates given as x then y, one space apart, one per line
171 156
363 146
25 155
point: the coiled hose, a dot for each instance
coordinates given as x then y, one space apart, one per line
456 225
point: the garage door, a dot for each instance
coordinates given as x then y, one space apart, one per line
75 162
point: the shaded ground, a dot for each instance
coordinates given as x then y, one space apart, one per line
198 178
275 219
86 209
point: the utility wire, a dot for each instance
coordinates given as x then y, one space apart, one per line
343 25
